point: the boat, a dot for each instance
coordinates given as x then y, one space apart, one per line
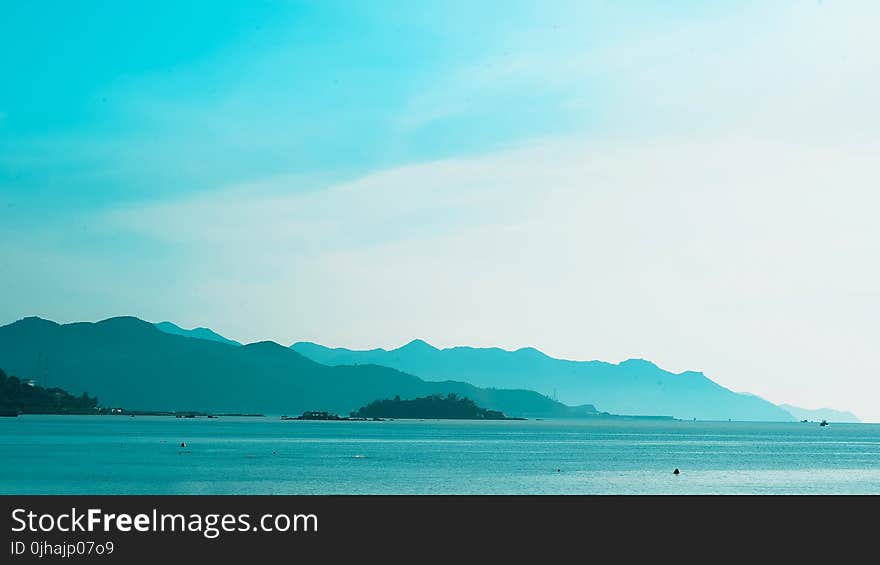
823 423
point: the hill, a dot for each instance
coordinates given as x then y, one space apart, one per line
198 333
635 387
130 363
819 414
21 397
434 407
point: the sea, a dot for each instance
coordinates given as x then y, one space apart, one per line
265 455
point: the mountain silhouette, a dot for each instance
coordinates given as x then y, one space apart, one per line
635 387
130 363
818 414
198 333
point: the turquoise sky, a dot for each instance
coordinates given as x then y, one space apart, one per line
690 182
110 102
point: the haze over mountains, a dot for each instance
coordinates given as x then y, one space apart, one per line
200 333
818 414
131 363
530 369
635 386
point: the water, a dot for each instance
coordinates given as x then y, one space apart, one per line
142 455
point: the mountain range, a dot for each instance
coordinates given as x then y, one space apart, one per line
198 333
818 414
635 386
142 366
133 364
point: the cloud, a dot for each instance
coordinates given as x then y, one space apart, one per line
745 258
719 215
791 70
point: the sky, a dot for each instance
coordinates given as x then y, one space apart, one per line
693 183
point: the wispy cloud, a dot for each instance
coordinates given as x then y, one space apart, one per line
710 204
794 69
735 256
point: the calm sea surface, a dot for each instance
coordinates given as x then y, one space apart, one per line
142 455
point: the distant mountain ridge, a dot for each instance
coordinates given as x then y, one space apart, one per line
198 333
818 414
635 386
281 382
130 363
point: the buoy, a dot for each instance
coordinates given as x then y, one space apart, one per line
676 472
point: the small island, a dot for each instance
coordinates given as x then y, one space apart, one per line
433 407
315 415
